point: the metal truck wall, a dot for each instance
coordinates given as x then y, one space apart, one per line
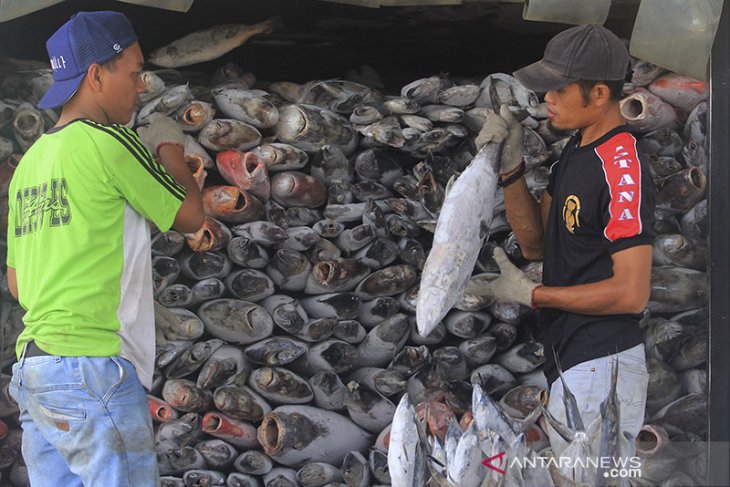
719 378
324 41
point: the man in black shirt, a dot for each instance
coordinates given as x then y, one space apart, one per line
593 229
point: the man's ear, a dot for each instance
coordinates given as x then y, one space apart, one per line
94 77
600 94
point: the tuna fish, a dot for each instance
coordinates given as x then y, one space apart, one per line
463 223
296 434
208 44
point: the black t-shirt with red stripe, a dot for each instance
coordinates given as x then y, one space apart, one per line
602 202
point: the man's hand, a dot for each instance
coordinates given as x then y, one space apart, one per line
161 131
513 285
503 129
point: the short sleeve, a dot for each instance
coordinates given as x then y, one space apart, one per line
628 215
140 179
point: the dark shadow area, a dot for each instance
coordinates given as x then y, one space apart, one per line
325 40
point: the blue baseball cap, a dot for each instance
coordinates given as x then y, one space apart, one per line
87 38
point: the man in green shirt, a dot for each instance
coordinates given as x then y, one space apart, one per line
79 261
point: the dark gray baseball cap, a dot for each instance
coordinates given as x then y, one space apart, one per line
589 52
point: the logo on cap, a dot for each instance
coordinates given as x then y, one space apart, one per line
117 47
58 62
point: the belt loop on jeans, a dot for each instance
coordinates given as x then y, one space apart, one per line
22 354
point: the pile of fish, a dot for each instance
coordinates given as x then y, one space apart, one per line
432 444
286 325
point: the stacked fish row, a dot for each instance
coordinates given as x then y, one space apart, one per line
286 327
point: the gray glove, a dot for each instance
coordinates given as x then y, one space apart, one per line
513 285
503 129
161 131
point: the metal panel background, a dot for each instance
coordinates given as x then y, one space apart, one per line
719 368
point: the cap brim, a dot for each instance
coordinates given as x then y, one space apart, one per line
541 78
60 92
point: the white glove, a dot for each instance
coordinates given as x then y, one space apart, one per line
513 285
503 129
161 131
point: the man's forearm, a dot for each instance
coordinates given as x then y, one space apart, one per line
597 298
191 215
627 291
523 215
172 157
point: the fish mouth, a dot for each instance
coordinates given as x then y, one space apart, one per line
205 242
305 122
28 124
634 107
250 163
197 166
271 434
291 185
251 317
212 423
289 317
192 115
270 154
324 272
675 243
241 202
697 178
164 412
267 378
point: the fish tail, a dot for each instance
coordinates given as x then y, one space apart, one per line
270 25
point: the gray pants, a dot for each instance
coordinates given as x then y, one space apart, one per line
590 382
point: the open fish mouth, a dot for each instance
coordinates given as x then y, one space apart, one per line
251 163
192 116
241 202
304 124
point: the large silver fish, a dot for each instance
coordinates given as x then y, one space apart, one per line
208 44
153 86
223 133
293 435
406 458
675 289
168 102
247 106
240 402
462 226
236 321
644 111
309 127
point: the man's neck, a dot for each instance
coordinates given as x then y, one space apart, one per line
75 111
606 122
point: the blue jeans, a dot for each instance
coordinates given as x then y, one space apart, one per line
85 422
590 382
